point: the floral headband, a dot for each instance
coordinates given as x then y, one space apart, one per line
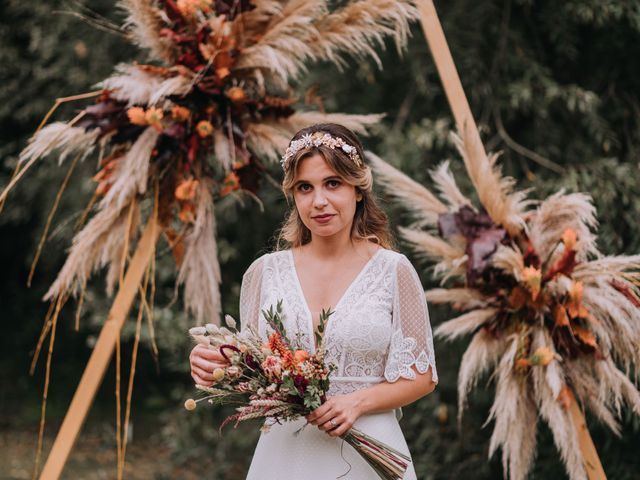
316 139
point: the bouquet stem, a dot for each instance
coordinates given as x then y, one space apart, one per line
389 463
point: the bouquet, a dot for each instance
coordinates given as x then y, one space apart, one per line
276 381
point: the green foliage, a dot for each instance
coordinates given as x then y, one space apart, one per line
553 85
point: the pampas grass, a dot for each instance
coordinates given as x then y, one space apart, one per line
200 271
144 23
545 266
423 204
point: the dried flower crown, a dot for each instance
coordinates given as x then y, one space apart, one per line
316 139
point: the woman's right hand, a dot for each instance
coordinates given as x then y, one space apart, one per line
203 362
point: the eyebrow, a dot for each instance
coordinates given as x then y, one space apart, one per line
332 177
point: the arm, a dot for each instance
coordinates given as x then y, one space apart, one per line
204 360
410 367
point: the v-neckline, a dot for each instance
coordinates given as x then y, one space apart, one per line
342 297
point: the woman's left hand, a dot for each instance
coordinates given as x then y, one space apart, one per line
337 415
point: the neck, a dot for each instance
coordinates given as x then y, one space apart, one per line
335 246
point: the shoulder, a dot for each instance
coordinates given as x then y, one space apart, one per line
264 261
396 259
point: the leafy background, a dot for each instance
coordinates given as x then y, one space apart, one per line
554 85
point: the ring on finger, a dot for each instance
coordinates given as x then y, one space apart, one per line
333 423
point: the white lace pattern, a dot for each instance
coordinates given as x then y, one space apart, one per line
380 328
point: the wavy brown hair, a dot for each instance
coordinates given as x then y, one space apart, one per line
369 221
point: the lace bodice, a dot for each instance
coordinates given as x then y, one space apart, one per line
379 330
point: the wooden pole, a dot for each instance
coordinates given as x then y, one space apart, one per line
465 123
102 352
590 458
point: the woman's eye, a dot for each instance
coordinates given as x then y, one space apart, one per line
304 187
333 183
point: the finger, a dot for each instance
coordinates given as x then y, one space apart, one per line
203 364
204 374
326 417
340 430
209 354
322 409
207 365
201 381
319 413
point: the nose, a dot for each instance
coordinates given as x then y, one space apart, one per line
319 199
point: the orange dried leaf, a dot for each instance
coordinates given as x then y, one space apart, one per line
585 336
176 244
517 298
560 317
564 397
542 356
569 238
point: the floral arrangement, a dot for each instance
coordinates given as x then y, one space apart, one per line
549 315
197 122
279 382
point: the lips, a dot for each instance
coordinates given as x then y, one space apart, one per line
323 218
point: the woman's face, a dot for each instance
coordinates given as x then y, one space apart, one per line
325 202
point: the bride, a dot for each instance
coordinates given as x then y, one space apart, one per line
339 256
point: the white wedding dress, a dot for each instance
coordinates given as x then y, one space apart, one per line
379 330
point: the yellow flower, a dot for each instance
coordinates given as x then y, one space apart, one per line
204 128
190 404
137 116
218 374
532 278
542 356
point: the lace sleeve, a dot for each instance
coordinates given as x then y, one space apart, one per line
411 341
250 295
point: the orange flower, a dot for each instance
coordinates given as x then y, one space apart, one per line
522 364
236 94
137 116
301 356
187 190
187 213
204 128
231 183
180 114
222 72
542 356
189 8
154 117
532 278
569 238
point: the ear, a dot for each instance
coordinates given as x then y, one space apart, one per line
358 197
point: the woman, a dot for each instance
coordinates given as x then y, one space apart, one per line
379 336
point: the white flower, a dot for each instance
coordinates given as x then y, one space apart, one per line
347 148
230 321
211 328
198 331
